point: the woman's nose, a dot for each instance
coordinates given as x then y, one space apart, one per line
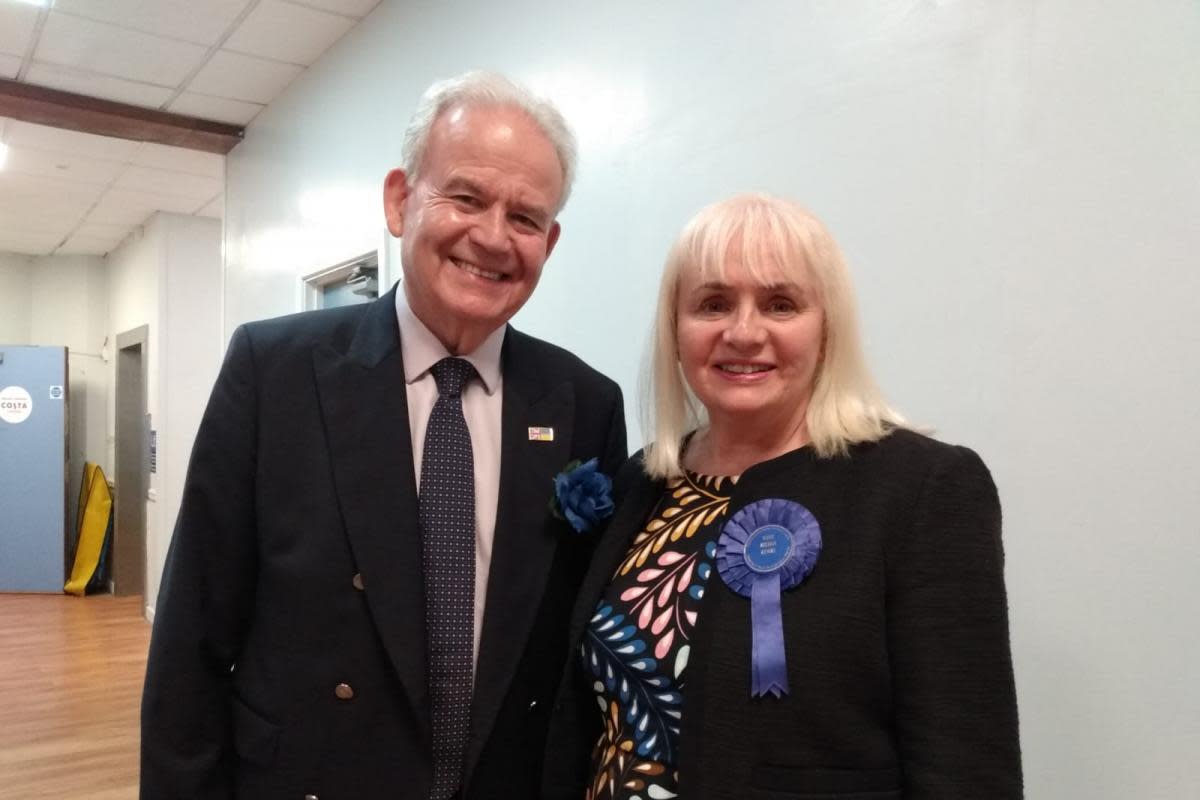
746 329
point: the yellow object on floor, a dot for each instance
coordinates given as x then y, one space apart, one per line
95 504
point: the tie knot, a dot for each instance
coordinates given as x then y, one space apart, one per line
450 375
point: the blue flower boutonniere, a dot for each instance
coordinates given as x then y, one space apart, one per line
582 495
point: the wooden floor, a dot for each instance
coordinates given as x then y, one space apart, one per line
70 686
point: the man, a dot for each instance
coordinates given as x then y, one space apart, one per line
366 593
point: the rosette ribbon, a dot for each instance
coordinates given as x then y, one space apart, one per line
767 547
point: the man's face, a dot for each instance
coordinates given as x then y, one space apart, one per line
478 221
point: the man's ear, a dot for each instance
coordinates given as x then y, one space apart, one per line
395 192
552 237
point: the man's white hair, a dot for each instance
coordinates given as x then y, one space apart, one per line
480 88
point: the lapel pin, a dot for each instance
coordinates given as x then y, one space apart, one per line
541 434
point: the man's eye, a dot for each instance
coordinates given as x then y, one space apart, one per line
467 200
526 221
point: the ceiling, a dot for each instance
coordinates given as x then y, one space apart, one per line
66 192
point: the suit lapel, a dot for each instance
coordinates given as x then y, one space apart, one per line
630 513
524 544
365 410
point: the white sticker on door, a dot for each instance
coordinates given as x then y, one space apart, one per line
15 404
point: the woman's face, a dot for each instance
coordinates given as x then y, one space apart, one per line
750 348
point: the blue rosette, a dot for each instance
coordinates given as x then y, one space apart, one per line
767 547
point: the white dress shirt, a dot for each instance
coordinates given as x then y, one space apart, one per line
481 402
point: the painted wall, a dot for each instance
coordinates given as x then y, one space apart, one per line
191 343
1016 186
166 276
14 298
69 307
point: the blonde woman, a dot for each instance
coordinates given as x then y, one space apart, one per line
797 595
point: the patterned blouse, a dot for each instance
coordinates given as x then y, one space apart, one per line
636 646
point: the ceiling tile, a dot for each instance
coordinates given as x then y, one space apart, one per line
178 159
27 244
197 188
67 166
104 86
200 21
9 66
220 109
100 47
16 27
123 207
241 77
353 8
79 245
35 225
289 33
44 200
215 209
44 137
99 230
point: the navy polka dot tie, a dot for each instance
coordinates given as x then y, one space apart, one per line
447 510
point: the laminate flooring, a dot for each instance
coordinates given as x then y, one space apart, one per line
71 673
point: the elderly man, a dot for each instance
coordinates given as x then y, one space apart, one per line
367 593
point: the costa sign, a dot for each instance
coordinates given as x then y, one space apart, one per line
15 405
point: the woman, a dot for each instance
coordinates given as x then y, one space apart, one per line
797 596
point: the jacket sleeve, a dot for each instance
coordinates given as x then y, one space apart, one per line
955 702
205 602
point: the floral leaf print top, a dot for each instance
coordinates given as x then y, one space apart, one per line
637 644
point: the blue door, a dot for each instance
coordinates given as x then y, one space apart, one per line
33 459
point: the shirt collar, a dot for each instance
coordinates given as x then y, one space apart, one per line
421 349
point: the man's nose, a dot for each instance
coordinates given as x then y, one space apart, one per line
491 230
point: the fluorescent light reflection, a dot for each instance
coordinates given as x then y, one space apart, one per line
3 154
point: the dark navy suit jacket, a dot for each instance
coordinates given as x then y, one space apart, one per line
288 654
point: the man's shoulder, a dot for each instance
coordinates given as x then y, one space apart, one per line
332 326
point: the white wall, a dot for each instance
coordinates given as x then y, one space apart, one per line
191 344
166 276
69 308
1016 186
14 298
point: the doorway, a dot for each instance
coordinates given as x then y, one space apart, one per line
132 462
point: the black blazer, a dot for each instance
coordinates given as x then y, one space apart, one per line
288 652
897 643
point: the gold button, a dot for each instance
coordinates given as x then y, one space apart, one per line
357 581
344 691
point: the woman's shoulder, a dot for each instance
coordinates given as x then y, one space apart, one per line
920 457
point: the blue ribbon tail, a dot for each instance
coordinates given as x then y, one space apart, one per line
768 661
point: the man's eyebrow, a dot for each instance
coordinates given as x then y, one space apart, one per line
532 210
458 182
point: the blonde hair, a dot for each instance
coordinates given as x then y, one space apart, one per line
846 406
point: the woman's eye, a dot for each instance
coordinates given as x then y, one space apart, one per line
781 305
712 305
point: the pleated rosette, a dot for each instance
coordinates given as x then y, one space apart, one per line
766 548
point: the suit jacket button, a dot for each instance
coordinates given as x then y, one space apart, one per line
344 691
357 581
